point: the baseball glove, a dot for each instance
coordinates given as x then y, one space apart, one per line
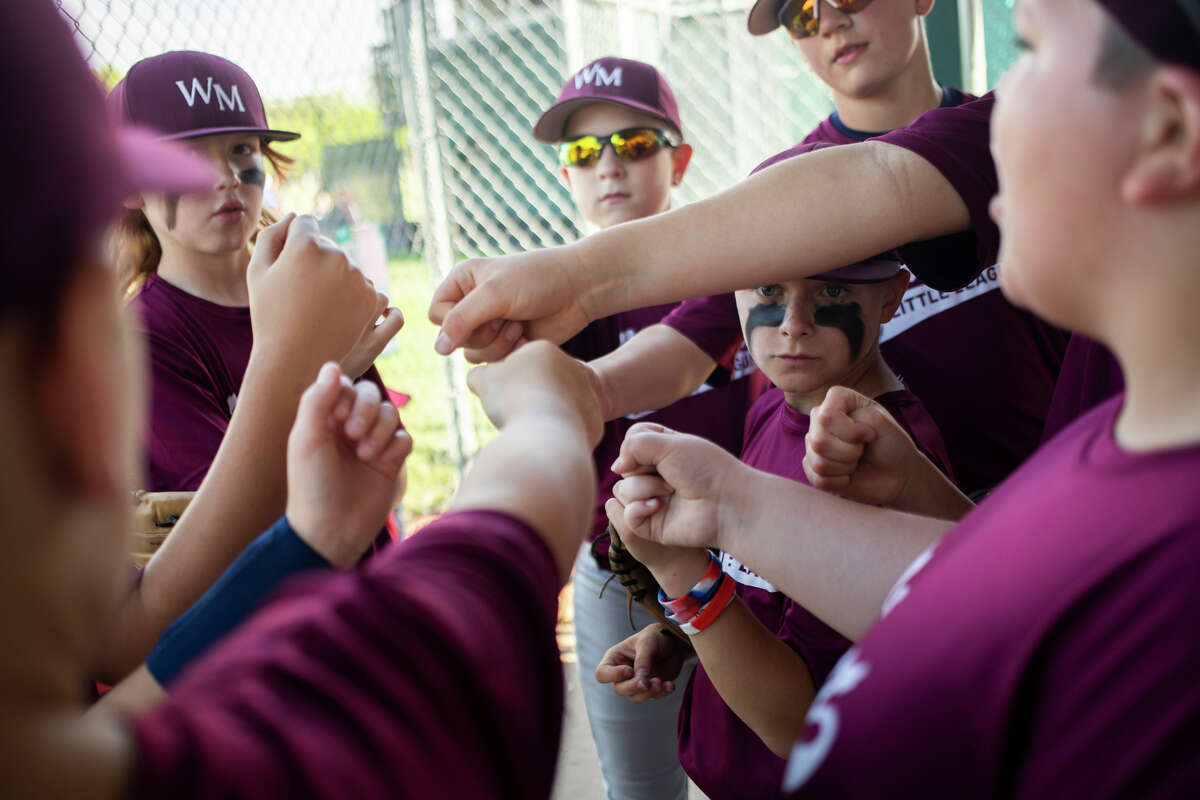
154 514
640 585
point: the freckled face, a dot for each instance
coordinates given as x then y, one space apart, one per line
807 335
613 191
223 219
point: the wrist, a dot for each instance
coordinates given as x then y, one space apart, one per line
317 536
735 504
602 384
681 573
597 277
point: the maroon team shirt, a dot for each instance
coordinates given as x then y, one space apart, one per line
984 369
957 143
198 353
1090 375
715 411
724 757
1046 647
430 672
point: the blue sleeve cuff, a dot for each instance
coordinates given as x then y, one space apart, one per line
277 554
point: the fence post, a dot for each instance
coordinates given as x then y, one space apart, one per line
437 217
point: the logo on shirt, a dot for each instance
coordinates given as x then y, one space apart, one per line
743 574
921 302
900 590
230 100
807 756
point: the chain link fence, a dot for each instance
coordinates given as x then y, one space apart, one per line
416 118
475 75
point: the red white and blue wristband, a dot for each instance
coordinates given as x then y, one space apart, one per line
703 603
709 613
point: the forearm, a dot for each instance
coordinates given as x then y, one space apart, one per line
760 678
539 470
929 493
837 558
654 369
889 194
242 494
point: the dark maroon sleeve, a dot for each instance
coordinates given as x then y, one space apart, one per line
712 323
431 672
956 141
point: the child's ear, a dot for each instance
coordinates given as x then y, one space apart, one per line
896 287
1166 167
135 202
681 156
924 7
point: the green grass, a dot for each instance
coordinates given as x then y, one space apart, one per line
411 366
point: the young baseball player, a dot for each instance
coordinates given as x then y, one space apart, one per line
440 651
621 150
875 60
1083 562
184 257
744 705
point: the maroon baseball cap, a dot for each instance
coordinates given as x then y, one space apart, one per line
1169 29
68 168
872 270
622 81
764 16
185 93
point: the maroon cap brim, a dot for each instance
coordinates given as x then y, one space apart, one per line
553 123
872 270
266 133
764 17
150 164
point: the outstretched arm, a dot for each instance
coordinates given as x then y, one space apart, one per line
761 679
654 369
837 558
539 468
295 279
730 241
344 453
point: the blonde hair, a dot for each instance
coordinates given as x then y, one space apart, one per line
135 249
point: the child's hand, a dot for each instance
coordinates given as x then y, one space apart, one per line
677 569
675 488
644 666
540 380
481 302
308 304
374 338
344 453
856 449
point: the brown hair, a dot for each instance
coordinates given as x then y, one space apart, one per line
135 249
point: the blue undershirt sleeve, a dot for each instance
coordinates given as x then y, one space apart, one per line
277 554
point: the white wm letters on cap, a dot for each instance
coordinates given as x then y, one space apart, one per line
598 75
231 101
